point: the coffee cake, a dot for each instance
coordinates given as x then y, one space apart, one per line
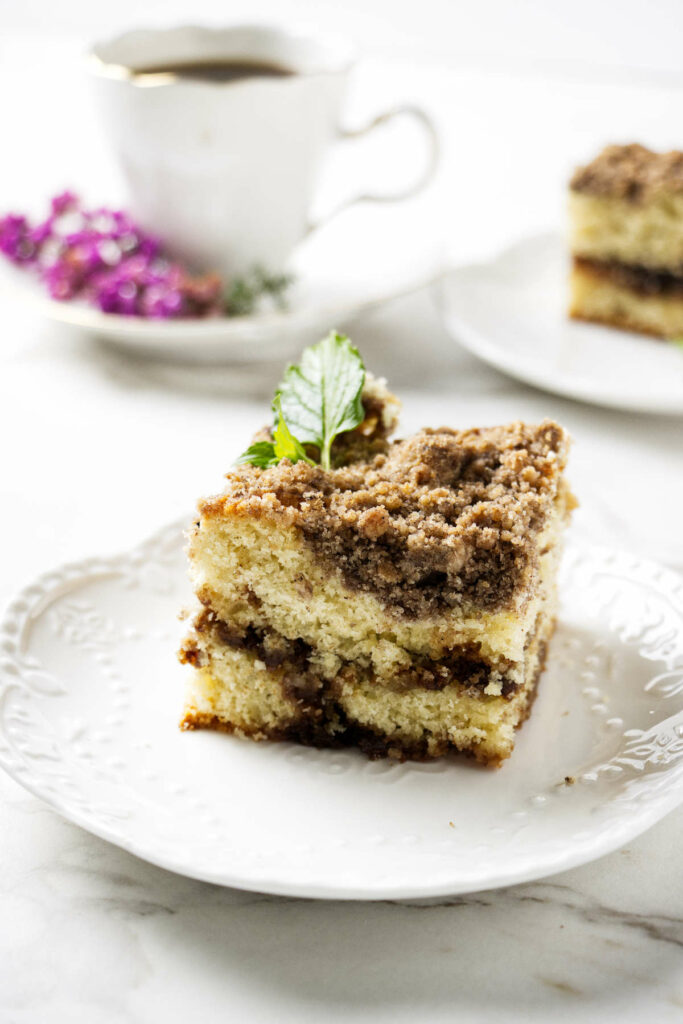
626 212
401 601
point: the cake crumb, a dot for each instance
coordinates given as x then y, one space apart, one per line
632 173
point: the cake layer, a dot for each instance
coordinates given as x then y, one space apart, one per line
236 690
258 573
646 235
627 206
444 519
623 297
464 665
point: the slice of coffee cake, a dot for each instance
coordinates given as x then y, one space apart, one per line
400 601
626 214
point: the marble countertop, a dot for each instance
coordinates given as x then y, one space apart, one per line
99 450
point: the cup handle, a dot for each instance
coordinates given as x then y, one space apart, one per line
431 164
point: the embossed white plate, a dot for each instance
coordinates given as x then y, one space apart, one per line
91 694
512 313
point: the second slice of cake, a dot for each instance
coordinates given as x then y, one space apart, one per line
400 601
626 223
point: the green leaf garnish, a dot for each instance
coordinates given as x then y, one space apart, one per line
261 454
321 397
315 402
678 342
285 445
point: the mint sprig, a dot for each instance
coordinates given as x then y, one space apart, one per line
317 400
245 294
283 446
260 453
321 397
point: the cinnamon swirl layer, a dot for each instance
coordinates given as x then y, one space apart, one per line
260 686
631 298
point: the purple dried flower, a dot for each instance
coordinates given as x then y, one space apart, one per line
63 202
15 239
102 256
41 232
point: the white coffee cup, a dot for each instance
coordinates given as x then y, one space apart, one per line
225 172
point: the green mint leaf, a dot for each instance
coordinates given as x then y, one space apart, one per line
286 446
316 401
678 342
283 446
321 397
261 454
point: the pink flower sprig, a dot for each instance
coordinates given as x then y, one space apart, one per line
103 257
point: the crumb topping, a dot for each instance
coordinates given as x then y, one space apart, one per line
630 172
442 518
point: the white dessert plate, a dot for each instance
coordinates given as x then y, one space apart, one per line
512 313
357 262
91 694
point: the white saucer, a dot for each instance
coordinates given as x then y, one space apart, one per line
91 694
362 259
512 314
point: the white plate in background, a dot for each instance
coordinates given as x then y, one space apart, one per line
91 694
512 313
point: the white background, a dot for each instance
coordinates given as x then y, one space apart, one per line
555 36
98 450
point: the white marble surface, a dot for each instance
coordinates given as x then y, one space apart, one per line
98 450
